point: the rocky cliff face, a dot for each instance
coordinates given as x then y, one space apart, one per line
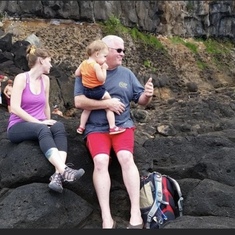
182 18
187 131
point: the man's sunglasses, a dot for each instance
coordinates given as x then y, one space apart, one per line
119 50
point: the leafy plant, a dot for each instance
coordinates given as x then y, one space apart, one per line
190 7
191 46
215 47
201 65
113 26
3 15
147 63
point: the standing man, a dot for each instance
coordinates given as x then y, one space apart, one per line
124 87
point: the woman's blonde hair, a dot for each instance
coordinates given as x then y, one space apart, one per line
32 54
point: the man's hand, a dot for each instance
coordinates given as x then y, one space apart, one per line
148 88
116 105
147 95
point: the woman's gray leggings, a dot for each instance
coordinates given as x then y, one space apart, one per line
53 137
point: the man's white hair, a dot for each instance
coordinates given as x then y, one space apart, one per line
111 40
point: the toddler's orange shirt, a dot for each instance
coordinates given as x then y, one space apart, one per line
89 78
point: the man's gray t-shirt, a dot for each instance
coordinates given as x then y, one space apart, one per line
121 83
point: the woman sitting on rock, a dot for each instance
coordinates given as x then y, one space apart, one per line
31 117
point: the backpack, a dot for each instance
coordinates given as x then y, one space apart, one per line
160 200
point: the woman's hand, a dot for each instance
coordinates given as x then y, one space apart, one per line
49 122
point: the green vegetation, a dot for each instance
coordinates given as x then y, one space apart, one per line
190 7
201 65
147 63
212 46
146 38
215 47
191 46
113 26
3 16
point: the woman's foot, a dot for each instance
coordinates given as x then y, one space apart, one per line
56 182
70 174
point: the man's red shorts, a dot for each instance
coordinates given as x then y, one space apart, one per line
98 142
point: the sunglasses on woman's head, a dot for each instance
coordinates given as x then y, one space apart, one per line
119 50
